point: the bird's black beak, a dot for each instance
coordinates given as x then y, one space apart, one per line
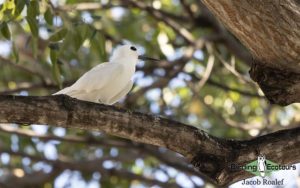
144 58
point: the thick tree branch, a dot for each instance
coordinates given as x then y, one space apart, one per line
66 112
210 155
222 35
270 29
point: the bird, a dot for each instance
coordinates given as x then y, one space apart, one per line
107 82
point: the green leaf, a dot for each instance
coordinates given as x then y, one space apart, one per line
34 46
7 14
98 44
53 56
84 30
20 4
59 35
96 17
55 67
48 16
101 40
5 30
54 46
81 33
33 9
67 43
75 38
78 40
33 26
10 4
7 9
15 52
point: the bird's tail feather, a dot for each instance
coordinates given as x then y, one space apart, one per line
78 94
63 91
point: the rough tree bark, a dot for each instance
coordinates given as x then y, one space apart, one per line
270 29
210 155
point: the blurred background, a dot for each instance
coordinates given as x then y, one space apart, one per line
202 81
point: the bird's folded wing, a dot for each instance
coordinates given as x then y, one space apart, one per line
122 93
98 77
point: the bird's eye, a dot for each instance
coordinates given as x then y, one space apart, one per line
133 48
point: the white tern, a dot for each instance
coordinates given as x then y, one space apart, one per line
107 82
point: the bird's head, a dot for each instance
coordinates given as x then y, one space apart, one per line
128 53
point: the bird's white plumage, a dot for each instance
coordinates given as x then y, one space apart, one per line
107 82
